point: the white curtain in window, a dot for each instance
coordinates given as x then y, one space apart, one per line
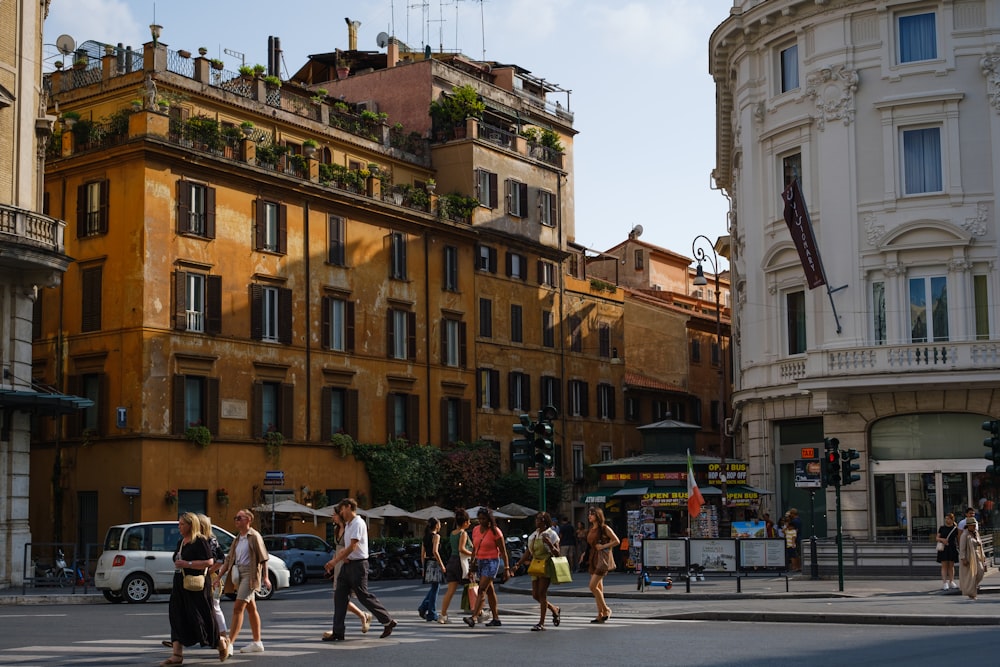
922 160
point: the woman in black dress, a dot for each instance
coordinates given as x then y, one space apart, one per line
191 619
947 539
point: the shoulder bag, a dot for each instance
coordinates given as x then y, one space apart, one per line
559 570
194 582
604 561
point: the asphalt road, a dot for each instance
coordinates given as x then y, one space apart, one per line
106 634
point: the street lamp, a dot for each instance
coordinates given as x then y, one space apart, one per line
699 279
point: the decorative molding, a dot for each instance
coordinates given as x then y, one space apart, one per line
990 66
894 270
976 226
832 90
873 230
959 265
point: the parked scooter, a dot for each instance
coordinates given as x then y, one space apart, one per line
376 565
59 574
515 551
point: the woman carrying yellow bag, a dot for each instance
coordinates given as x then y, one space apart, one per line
542 545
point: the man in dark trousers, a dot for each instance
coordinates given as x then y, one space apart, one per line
354 573
567 540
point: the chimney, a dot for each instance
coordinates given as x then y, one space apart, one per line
392 52
352 34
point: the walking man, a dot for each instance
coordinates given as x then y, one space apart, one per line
354 573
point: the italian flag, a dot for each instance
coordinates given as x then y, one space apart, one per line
695 499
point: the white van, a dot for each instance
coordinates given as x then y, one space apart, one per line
137 561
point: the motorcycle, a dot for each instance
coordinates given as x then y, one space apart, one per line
376 565
59 574
398 566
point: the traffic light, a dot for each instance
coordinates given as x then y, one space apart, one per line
543 444
520 448
847 468
993 442
831 462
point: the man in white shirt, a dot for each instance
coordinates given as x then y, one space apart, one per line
970 513
354 573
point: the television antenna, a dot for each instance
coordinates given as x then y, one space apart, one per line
236 54
382 40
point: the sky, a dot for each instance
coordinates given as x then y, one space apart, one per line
642 96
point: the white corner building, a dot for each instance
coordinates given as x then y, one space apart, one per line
888 112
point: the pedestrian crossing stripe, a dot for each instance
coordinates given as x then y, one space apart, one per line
285 640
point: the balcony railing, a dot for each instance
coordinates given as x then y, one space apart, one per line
26 227
913 358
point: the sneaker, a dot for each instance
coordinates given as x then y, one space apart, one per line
954 585
443 619
495 623
945 586
366 623
253 647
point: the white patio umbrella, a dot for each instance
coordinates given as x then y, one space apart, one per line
517 511
433 512
285 507
330 509
388 511
497 514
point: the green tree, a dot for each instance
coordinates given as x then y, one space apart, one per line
466 474
401 473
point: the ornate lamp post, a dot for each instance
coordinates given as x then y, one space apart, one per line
701 256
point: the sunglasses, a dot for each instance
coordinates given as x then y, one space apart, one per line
238 517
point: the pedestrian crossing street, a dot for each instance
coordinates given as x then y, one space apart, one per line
289 638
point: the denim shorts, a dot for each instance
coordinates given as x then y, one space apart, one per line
488 567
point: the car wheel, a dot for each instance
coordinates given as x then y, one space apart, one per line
298 575
137 588
268 593
112 597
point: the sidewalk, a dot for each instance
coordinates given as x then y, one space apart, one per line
863 601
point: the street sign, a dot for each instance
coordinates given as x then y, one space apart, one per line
808 453
130 490
274 478
808 473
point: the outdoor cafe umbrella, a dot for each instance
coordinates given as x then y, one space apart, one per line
388 511
497 514
329 510
517 511
433 512
286 507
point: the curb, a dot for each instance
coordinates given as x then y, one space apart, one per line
843 619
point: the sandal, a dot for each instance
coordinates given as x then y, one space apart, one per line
223 649
556 618
175 659
537 627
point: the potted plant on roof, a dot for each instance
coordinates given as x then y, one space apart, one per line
216 64
202 51
309 147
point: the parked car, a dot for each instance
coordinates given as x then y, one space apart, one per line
304 554
136 561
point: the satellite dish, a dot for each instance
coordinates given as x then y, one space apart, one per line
65 44
382 39
636 232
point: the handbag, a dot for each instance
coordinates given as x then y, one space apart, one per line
604 562
558 570
194 582
537 567
234 575
940 546
432 573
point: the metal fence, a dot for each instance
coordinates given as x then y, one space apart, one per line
40 568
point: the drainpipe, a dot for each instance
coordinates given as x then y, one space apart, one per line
308 372
427 327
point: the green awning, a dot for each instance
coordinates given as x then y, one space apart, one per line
44 403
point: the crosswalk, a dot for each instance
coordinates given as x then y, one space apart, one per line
285 638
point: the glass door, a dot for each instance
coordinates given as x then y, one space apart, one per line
891 518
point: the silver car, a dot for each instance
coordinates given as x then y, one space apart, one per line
137 561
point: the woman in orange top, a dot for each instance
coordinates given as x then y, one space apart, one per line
488 550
